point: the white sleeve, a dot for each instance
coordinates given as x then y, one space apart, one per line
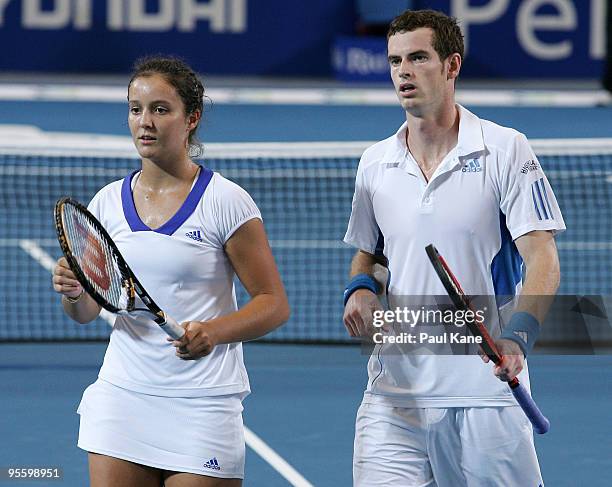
362 232
526 197
232 207
95 205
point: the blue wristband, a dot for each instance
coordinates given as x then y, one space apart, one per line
523 329
360 281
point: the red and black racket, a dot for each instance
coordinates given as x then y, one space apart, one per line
101 269
540 423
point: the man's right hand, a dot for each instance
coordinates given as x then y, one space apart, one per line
358 313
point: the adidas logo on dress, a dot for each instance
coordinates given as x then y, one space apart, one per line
213 464
195 235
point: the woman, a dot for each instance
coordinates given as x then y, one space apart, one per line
162 415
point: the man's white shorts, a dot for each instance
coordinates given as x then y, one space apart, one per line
438 447
201 435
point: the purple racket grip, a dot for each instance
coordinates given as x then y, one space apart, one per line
540 423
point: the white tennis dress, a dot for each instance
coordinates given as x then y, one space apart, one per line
148 406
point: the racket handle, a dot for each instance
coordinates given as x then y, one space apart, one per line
172 328
540 423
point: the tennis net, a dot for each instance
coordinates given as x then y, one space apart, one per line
304 191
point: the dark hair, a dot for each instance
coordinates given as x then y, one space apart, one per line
180 75
447 36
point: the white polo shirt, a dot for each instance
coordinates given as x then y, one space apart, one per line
488 191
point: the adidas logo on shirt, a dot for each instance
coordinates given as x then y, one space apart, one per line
472 166
195 235
213 464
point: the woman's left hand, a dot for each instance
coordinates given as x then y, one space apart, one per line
197 342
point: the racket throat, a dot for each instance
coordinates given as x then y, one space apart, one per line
160 318
152 310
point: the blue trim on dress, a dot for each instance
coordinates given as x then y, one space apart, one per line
183 213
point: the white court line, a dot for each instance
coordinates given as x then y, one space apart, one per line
47 262
309 244
344 95
252 440
586 245
82 172
29 140
266 174
33 248
270 456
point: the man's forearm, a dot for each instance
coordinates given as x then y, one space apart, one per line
541 282
364 263
372 265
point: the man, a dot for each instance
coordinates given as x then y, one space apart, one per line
476 191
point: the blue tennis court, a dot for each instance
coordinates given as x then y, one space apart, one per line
303 404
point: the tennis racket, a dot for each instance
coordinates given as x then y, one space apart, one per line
100 268
453 288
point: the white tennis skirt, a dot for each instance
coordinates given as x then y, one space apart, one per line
201 435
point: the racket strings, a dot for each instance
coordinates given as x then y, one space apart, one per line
95 257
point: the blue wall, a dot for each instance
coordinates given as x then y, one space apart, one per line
265 37
530 39
506 38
